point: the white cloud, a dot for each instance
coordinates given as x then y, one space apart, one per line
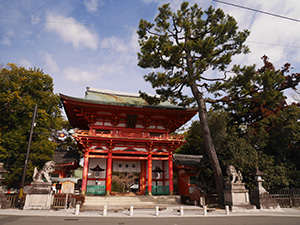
6 39
25 63
35 19
134 42
149 1
115 44
269 35
71 31
50 62
122 52
92 5
78 75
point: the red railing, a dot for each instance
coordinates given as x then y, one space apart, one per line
131 135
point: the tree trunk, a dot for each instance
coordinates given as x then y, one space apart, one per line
209 146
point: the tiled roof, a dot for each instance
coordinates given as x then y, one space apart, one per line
61 157
187 160
117 97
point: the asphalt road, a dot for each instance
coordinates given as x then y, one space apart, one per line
229 220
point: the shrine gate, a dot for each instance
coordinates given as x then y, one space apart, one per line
121 132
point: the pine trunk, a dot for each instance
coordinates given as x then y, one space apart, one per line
209 146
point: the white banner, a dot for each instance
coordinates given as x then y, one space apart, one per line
126 166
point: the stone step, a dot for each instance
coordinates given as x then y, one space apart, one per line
97 202
132 198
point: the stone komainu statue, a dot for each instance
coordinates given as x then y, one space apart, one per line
236 176
47 169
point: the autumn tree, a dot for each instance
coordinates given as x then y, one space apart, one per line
254 94
179 48
20 90
255 98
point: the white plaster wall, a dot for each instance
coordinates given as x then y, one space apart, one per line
93 182
127 166
93 163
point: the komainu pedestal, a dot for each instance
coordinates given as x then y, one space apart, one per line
237 196
40 195
235 193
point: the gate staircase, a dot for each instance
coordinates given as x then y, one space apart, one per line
117 203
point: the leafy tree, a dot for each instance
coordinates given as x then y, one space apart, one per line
180 47
20 90
256 101
235 149
252 95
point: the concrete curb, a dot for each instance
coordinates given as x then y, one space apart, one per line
169 212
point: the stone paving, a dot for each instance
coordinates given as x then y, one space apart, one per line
188 211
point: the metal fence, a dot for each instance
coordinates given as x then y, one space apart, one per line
160 190
287 197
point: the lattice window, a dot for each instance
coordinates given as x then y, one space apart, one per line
131 121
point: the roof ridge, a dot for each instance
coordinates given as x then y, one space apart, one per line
111 92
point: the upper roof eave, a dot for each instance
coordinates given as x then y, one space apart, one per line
89 101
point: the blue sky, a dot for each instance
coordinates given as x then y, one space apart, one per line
93 43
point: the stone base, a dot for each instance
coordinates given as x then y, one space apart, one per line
235 186
235 194
243 208
237 197
4 203
40 188
264 201
38 201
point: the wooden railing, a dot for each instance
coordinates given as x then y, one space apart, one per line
287 197
60 201
13 198
64 201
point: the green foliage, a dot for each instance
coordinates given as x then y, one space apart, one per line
20 90
252 95
259 129
182 45
239 149
179 48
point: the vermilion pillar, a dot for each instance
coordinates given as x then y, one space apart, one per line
149 173
85 172
143 177
108 172
171 188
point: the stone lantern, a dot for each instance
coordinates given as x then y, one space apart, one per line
4 203
258 178
2 171
260 197
157 171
